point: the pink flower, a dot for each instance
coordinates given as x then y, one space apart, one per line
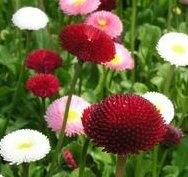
107 22
55 113
184 2
122 60
78 7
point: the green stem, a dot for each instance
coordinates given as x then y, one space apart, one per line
83 158
41 4
169 18
155 161
168 80
133 31
120 165
62 134
25 168
162 161
138 167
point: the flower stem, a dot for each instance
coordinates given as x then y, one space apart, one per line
41 4
25 168
120 165
169 78
138 165
133 31
155 161
83 158
62 133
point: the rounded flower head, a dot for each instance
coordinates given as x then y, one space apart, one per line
173 48
24 146
107 5
30 18
87 43
107 22
124 124
163 104
55 114
43 85
43 61
173 136
122 59
79 7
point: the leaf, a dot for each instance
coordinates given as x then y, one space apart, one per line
140 88
88 173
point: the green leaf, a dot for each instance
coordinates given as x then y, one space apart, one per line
140 88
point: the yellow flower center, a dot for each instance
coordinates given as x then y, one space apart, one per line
78 2
116 59
102 23
178 48
25 145
73 115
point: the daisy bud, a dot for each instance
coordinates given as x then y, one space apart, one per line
173 136
69 159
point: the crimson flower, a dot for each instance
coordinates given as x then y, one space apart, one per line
43 85
87 43
43 61
124 124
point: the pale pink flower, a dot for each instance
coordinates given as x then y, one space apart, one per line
184 2
55 114
78 7
122 59
107 22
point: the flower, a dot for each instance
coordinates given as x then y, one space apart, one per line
30 18
69 159
76 7
1 176
173 48
87 43
107 5
122 59
124 124
24 146
107 22
43 85
184 2
162 103
43 61
173 136
55 114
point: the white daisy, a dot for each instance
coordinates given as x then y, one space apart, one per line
163 104
1 176
173 47
30 18
24 146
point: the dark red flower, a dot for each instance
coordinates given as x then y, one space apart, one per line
107 5
43 85
43 61
173 136
69 159
124 124
87 43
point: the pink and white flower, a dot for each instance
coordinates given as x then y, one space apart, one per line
55 114
78 7
107 22
122 59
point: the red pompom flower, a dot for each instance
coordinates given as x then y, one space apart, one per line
43 85
43 61
124 124
107 5
87 43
